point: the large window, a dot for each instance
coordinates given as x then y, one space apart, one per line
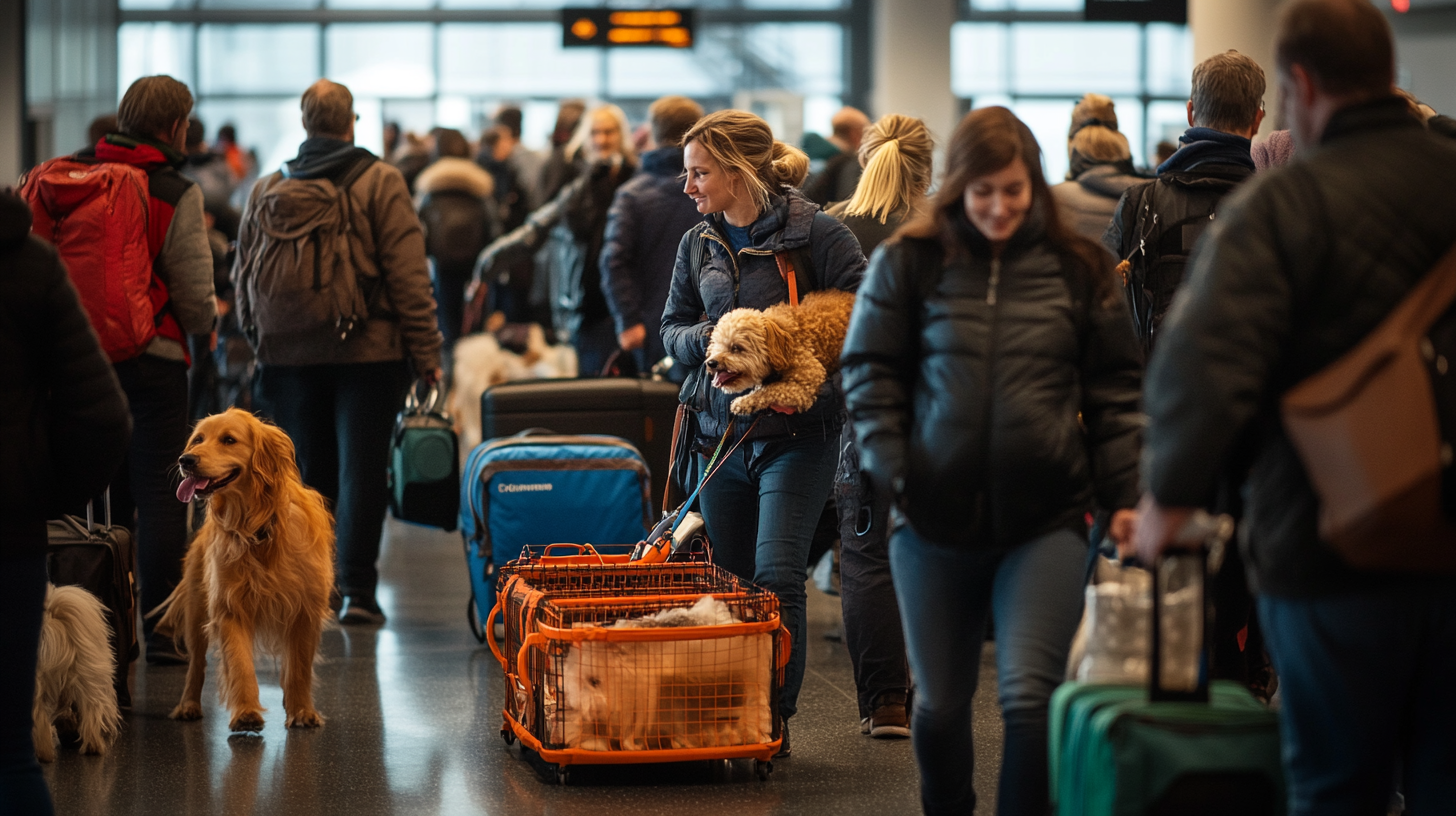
1036 58
451 63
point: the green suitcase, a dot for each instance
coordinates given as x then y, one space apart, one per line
1123 750
1114 752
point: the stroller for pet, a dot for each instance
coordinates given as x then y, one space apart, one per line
607 661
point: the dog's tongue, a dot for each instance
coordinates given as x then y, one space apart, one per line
189 488
723 376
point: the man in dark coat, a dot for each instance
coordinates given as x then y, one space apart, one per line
1301 264
645 224
64 428
840 175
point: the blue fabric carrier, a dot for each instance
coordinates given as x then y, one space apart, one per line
535 489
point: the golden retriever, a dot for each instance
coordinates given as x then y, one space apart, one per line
800 344
258 573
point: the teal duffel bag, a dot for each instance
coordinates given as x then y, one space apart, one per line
424 464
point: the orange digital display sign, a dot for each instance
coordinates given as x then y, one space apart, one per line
661 28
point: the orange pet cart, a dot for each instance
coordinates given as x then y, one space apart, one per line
584 685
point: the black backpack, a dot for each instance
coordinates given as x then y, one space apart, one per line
1161 245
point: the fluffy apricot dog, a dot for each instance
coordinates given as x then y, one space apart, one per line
780 355
258 573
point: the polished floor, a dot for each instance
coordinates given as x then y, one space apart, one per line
414 728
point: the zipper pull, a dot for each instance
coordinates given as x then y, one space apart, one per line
995 279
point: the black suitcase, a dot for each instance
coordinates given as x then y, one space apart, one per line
640 411
102 561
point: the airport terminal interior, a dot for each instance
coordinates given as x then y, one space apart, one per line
412 701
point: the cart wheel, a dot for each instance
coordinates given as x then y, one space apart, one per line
762 769
563 774
508 735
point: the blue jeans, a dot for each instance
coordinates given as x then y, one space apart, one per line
1365 680
945 594
341 418
761 510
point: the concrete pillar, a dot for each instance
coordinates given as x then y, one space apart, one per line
1247 26
12 88
911 44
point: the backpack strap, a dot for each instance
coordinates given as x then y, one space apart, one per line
786 271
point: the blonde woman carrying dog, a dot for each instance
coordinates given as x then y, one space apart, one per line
762 506
981 334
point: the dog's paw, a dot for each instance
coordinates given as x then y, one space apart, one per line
743 406
246 721
187 710
308 718
45 746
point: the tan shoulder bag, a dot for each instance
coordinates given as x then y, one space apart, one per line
1367 431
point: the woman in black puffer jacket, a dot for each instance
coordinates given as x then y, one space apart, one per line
992 377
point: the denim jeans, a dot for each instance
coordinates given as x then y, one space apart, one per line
872 628
156 391
341 418
1365 680
761 510
1035 591
22 599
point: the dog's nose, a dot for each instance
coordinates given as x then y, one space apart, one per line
712 364
187 460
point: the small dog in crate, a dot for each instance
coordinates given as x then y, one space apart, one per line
669 694
781 355
74 670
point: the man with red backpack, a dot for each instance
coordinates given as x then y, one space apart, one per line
130 229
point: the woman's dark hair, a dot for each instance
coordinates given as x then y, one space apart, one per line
986 141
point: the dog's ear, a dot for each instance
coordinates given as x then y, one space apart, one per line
273 462
777 345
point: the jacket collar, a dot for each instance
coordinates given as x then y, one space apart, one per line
1384 113
1206 146
323 157
785 224
664 161
137 151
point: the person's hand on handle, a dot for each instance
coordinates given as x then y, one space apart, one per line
1156 529
633 338
1122 527
432 378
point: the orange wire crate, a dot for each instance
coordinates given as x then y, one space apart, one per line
586 684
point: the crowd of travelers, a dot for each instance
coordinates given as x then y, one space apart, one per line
1031 368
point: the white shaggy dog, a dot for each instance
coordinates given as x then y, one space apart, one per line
690 693
74 670
480 362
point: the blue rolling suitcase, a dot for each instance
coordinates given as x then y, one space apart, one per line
535 489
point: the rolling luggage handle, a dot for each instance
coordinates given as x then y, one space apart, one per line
1211 533
105 502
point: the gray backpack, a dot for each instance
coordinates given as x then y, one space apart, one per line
302 278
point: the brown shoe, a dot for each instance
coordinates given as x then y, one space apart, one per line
890 720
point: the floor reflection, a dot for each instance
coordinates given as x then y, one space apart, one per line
413 727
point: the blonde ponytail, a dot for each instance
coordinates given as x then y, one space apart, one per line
896 154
